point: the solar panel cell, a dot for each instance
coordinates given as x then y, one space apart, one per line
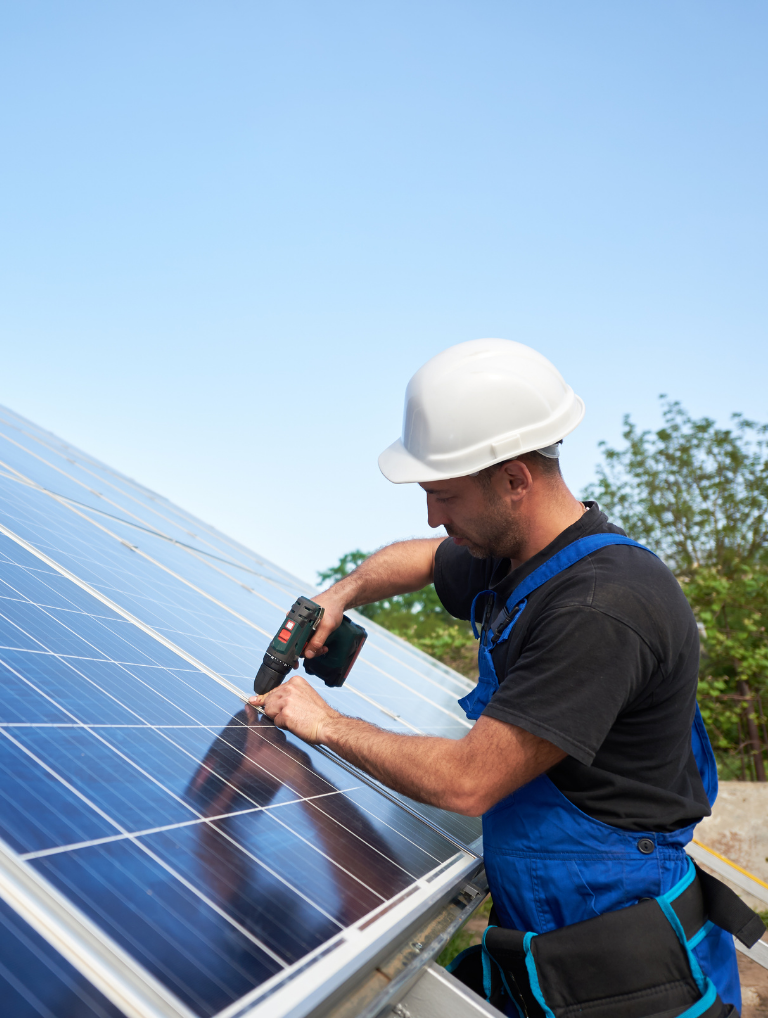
123 790
67 683
38 810
20 700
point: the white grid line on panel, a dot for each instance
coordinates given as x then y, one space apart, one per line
67 504
288 579
384 710
362 840
67 661
285 784
74 846
41 692
199 553
70 787
77 480
59 470
330 859
380 820
88 724
175 649
193 660
130 835
283 995
149 726
460 680
421 696
146 724
242 618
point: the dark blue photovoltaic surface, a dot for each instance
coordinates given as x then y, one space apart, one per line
36 982
213 848
192 948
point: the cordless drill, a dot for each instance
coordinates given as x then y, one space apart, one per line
288 643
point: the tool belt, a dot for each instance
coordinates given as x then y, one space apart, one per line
637 962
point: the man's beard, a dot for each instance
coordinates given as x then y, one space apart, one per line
499 533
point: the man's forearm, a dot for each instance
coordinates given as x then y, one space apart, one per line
425 768
467 775
397 569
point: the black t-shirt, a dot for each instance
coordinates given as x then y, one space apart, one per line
603 662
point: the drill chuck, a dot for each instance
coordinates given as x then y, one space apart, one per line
270 674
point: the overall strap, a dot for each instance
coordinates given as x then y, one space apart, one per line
475 702
561 560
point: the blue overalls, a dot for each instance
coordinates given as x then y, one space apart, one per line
548 863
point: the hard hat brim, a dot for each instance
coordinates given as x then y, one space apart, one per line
402 467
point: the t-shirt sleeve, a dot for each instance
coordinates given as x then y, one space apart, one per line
578 670
458 577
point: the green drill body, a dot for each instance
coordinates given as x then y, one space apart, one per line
288 644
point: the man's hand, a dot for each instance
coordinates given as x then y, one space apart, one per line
296 706
335 606
397 569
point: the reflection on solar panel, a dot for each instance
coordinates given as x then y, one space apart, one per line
164 849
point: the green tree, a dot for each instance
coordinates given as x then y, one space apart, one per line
418 617
697 494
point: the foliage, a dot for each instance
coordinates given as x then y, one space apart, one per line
698 495
460 941
468 934
418 617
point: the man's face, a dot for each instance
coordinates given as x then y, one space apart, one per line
477 516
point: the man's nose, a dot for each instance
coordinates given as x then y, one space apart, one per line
436 514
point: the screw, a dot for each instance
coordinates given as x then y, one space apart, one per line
416 945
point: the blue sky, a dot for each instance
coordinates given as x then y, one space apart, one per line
232 231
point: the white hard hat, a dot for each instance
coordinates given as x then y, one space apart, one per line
476 404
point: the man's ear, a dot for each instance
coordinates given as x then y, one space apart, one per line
514 479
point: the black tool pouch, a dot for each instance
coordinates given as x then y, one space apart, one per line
632 963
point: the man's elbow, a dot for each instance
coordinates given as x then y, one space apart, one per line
473 802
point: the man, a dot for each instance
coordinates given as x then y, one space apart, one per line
588 760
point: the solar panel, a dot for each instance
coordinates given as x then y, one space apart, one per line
164 849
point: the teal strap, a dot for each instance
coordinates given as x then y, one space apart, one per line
487 987
533 975
697 938
703 1005
664 901
487 959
